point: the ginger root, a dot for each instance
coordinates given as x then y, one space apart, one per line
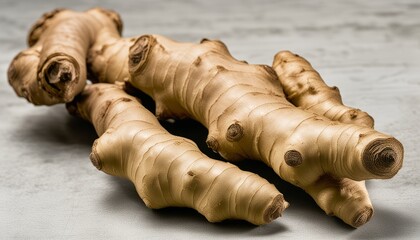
53 69
305 88
248 117
244 108
168 170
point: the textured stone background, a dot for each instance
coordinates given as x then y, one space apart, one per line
370 49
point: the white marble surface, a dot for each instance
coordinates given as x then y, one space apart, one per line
370 49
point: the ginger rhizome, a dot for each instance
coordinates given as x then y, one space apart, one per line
323 147
248 117
305 88
53 69
168 170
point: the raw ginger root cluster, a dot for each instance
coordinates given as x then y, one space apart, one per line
284 115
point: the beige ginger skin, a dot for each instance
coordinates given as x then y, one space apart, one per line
248 117
305 88
168 170
53 69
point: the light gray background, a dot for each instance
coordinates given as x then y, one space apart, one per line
370 49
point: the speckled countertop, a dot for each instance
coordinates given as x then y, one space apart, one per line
369 49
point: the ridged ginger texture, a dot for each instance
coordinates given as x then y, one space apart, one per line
248 117
304 87
168 170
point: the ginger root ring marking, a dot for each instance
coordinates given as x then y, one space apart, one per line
60 71
95 161
140 50
293 158
383 157
362 217
234 132
213 144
